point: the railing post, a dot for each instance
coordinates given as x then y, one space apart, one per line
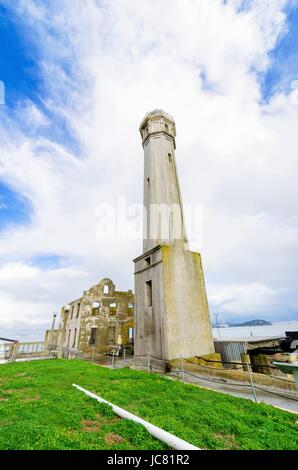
124 350
13 352
113 359
148 363
251 380
92 355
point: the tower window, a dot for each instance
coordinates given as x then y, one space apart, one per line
148 261
148 293
170 157
166 128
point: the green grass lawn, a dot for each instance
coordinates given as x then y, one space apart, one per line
39 409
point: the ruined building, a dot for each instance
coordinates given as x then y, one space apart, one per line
171 308
99 321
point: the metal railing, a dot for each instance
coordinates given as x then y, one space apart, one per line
10 352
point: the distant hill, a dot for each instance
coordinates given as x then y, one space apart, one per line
252 323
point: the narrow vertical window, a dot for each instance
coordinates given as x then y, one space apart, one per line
68 340
78 309
148 293
74 338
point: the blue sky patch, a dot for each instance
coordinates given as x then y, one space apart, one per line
14 208
21 75
47 261
18 62
284 59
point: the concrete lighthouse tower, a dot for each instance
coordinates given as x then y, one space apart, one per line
171 308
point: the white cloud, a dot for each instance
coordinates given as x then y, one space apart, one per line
200 61
17 271
249 298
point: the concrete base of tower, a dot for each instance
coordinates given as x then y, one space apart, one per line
171 309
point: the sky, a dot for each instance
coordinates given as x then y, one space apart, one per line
79 76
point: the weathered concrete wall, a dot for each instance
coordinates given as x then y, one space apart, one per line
53 337
150 325
177 323
240 376
188 324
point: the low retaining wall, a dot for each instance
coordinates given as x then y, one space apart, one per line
241 376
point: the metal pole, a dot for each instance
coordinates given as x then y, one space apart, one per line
251 382
124 357
216 324
182 368
148 362
51 344
53 321
113 359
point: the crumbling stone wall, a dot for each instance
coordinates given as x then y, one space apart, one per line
99 320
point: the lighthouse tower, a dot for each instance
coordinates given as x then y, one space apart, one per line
171 308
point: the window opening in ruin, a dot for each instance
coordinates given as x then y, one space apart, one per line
68 341
113 305
72 310
74 338
111 335
105 289
78 309
93 336
95 308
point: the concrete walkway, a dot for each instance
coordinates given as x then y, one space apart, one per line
287 404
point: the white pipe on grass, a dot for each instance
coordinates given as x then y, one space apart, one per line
164 436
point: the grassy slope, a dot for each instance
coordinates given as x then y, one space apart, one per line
39 409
